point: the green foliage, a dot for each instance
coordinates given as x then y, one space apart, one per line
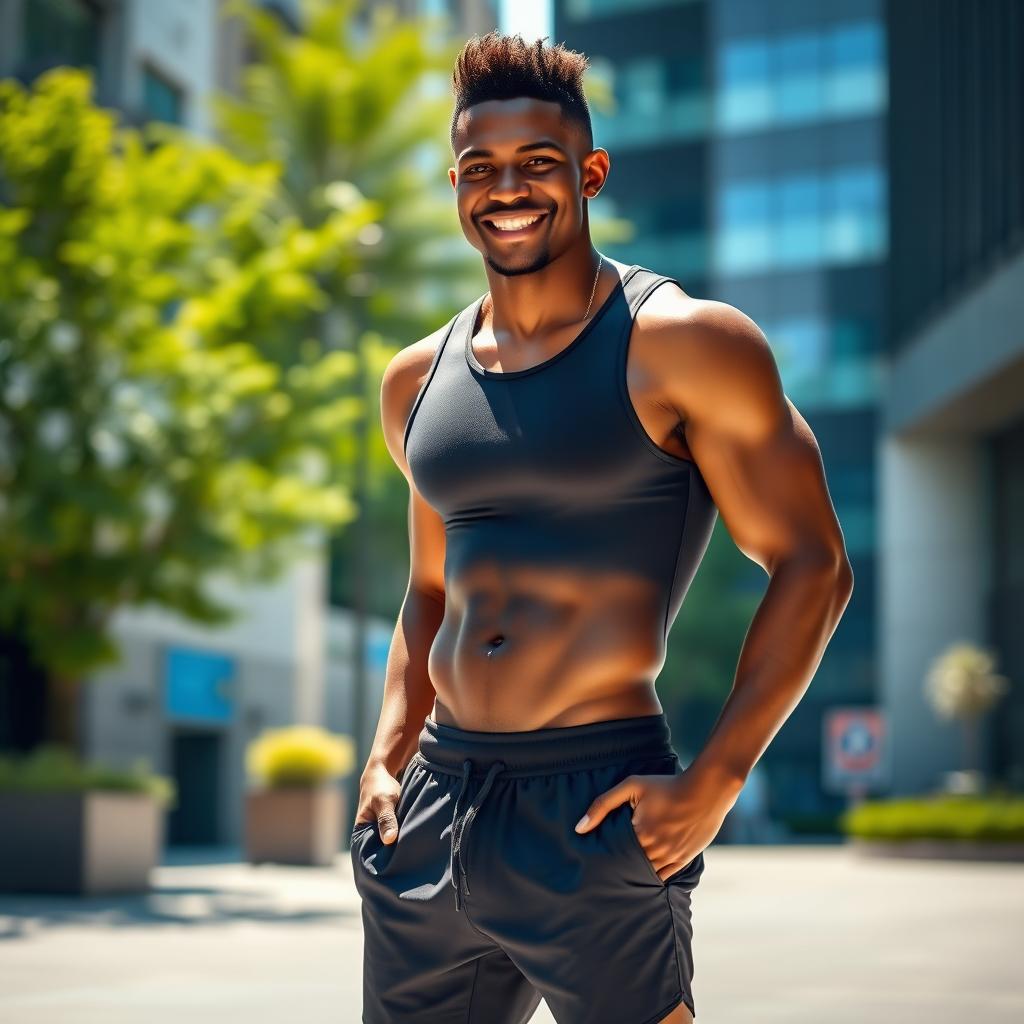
54 769
941 817
163 414
299 755
349 112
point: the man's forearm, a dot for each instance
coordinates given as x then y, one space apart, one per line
408 691
781 652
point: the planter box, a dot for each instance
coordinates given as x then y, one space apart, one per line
940 849
81 843
294 825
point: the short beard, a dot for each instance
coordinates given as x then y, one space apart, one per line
542 260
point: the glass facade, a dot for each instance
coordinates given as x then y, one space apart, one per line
585 9
808 218
798 78
656 98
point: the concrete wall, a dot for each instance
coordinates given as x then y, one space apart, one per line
934 538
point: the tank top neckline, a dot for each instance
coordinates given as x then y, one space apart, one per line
482 371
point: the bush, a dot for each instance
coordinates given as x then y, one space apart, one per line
55 769
940 817
299 755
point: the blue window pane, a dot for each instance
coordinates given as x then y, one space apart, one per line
799 53
743 63
855 212
857 188
799 344
855 45
800 195
161 100
798 87
745 202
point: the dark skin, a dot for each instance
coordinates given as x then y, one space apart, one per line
705 385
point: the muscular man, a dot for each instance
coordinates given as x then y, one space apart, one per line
569 439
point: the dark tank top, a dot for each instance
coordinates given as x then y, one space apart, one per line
549 467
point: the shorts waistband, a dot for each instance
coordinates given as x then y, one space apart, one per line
543 751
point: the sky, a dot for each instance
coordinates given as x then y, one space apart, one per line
530 18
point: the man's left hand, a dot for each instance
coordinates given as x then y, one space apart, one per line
675 817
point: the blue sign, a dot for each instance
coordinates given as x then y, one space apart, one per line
199 686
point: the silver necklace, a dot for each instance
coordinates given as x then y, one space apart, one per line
593 290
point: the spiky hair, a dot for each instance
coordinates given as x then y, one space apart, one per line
501 67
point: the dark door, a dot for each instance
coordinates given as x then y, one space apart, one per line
196 769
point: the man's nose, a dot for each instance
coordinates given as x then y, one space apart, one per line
509 184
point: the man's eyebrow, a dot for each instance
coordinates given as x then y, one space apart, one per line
527 147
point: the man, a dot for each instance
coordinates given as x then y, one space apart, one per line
569 440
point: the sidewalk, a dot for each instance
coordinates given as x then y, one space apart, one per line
795 934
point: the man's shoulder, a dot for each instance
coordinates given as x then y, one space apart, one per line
671 316
702 348
409 365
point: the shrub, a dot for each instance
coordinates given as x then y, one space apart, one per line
55 769
940 817
299 755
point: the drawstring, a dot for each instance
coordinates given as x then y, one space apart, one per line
459 833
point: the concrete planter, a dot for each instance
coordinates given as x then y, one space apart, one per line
85 843
294 824
940 849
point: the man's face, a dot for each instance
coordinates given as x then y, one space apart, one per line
518 158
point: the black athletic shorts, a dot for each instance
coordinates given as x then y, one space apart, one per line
489 899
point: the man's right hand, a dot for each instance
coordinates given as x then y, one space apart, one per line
379 791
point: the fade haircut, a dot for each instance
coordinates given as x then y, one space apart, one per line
502 67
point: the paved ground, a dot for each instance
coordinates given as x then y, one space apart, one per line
801 934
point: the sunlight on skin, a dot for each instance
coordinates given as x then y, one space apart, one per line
680 1015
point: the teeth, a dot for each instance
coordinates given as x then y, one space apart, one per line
515 223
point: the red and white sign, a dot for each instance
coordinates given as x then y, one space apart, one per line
855 749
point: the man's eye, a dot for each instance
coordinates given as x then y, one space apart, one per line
478 167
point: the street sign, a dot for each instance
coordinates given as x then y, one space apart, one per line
855 750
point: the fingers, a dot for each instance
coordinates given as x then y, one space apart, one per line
386 819
607 801
388 822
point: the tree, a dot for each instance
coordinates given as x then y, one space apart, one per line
962 684
157 422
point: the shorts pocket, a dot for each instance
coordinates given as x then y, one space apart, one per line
686 877
359 828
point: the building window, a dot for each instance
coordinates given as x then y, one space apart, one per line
766 82
161 99
61 32
801 220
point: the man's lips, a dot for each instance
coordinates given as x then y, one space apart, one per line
519 232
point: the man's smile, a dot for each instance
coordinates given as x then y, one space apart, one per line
514 226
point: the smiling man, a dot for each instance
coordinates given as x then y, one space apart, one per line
525 828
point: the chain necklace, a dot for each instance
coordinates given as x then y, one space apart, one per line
593 291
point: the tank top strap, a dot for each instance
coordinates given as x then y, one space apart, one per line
445 334
639 284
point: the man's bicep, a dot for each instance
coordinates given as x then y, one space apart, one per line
757 454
